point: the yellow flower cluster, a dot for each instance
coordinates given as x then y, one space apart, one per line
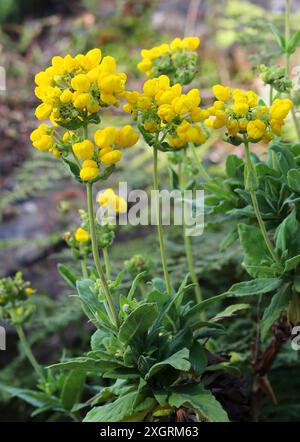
42 137
106 151
150 55
164 108
74 87
241 113
109 199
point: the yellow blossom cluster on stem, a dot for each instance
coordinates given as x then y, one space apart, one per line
162 108
243 114
72 91
76 87
151 56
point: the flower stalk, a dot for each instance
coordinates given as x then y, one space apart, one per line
251 172
96 257
159 223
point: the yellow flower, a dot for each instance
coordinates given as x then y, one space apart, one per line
126 137
43 79
84 150
108 64
145 65
256 129
198 114
252 98
151 87
276 126
176 44
105 137
81 101
168 95
166 112
233 127
190 43
94 57
195 135
66 96
82 235
45 142
43 111
222 93
89 170
280 108
240 108
42 138
112 84
81 83
111 157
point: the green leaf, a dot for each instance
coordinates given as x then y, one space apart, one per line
254 287
113 412
80 363
90 302
178 360
203 305
279 302
130 407
293 179
287 237
229 311
198 358
229 239
233 165
97 340
74 168
257 261
279 37
69 276
284 159
37 399
292 263
72 389
201 400
294 42
135 284
138 322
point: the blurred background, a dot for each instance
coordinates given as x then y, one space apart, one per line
38 199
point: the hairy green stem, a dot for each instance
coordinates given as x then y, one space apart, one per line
27 350
95 250
159 223
256 208
83 268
